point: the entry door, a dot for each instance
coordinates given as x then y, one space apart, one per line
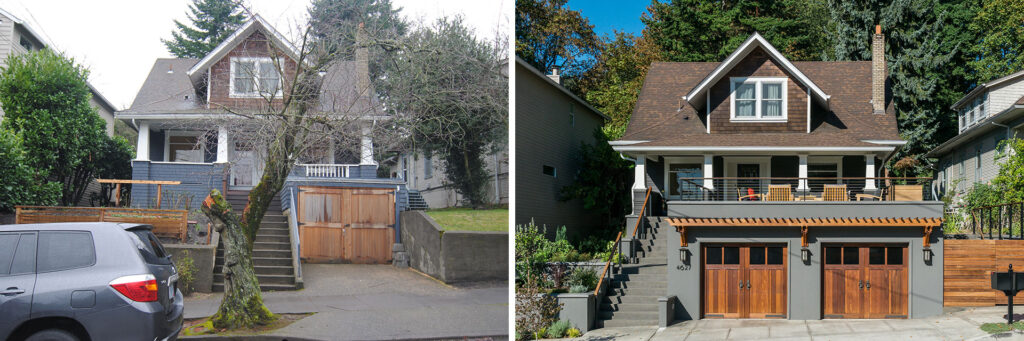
742 281
243 168
865 281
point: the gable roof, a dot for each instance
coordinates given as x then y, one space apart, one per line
542 76
985 86
696 95
255 23
659 120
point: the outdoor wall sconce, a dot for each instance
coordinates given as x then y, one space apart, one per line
805 255
927 254
684 255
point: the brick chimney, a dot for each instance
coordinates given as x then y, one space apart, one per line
878 71
362 62
555 77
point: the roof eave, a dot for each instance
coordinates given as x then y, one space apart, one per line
197 71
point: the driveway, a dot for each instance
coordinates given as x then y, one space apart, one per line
955 324
372 302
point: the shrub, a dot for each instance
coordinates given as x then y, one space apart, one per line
585 277
186 273
573 333
534 311
578 289
531 256
557 329
540 333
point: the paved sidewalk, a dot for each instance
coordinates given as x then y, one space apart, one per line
955 324
372 302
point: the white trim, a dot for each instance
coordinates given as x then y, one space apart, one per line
828 159
707 112
258 71
234 39
758 83
808 111
181 163
167 144
748 149
755 40
626 142
142 142
677 160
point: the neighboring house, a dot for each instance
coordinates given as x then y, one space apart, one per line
989 114
16 37
340 210
758 166
551 126
425 177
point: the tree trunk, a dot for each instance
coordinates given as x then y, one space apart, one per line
242 305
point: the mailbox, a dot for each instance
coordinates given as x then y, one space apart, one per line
1010 282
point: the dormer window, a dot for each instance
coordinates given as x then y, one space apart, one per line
758 99
254 77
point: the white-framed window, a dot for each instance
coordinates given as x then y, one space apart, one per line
757 99
428 165
254 77
185 146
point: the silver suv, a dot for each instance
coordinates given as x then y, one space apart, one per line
86 281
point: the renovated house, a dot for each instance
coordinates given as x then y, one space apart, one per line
989 114
766 196
429 188
551 125
187 113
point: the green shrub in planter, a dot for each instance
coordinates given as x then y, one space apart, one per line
573 333
586 277
578 289
186 273
558 329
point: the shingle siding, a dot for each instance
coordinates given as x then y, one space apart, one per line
544 137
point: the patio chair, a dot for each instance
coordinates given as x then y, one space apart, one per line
835 193
880 197
749 196
779 193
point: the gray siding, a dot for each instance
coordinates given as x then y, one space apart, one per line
438 192
197 180
544 137
966 153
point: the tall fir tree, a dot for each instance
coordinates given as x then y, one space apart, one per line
1000 49
708 31
212 22
335 23
925 50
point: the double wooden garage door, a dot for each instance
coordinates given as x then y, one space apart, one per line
351 225
749 281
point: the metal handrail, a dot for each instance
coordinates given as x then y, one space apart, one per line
611 255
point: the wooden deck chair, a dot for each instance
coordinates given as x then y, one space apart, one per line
779 193
835 193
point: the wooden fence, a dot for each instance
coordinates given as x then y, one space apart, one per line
166 223
967 269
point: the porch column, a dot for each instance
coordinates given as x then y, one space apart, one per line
222 144
366 147
640 172
142 147
869 172
802 173
709 171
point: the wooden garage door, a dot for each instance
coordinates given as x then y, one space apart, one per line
346 224
865 281
744 281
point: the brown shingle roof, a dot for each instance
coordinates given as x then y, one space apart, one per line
656 118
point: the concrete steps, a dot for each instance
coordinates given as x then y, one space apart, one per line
272 255
633 293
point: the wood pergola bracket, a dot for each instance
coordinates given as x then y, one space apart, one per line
927 240
803 236
682 235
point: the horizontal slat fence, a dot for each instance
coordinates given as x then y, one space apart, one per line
968 267
166 223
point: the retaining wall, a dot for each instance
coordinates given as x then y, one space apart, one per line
203 256
453 256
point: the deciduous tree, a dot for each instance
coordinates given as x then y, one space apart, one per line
550 35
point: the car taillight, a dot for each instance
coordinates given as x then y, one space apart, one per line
139 288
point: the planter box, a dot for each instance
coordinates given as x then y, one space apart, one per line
579 309
203 256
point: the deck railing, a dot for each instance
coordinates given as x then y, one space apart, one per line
1004 221
760 189
616 253
327 170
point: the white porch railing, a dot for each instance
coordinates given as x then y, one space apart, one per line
327 170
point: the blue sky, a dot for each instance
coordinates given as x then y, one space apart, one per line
608 15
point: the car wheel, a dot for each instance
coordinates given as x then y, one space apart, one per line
52 335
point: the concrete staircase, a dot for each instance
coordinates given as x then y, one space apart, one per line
632 299
272 253
416 201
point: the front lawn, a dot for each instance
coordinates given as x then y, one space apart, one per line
468 219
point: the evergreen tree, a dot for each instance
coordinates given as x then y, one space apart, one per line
212 22
925 54
1000 49
708 31
335 24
